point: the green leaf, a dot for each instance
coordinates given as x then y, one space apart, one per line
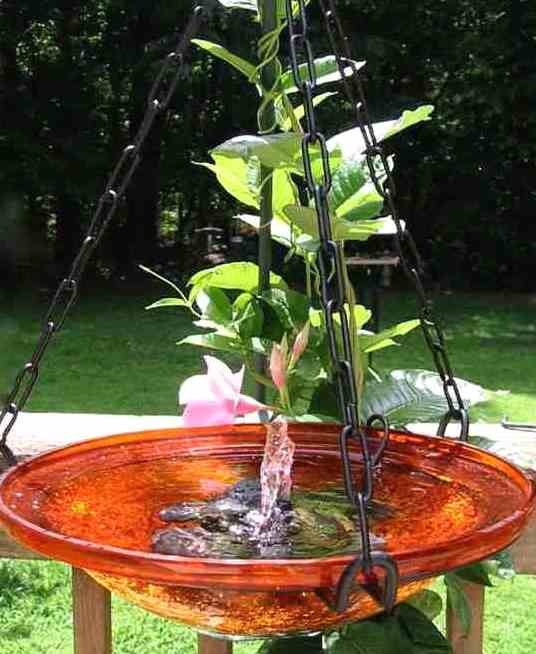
280 230
343 230
326 70
253 5
361 316
371 343
241 275
299 307
292 308
501 565
248 316
457 599
360 230
353 194
212 341
214 305
243 66
285 311
235 177
476 573
281 7
304 218
317 164
275 151
294 645
324 401
407 631
299 112
168 302
406 120
406 396
272 150
351 141
284 192
427 602
363 204
349 178
277 299
425 637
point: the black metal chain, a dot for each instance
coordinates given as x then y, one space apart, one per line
158 100
410 258
334 297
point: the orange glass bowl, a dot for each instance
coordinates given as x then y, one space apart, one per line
95 505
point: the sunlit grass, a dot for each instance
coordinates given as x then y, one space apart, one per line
114 357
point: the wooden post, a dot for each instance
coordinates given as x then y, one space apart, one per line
473 642
208 645
92 615
524 551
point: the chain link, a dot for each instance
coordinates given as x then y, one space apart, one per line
384 183
159 97
335 302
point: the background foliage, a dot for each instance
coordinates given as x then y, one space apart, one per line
74 75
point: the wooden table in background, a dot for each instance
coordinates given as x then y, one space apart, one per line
36 433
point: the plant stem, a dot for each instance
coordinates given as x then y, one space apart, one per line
267 11
354 336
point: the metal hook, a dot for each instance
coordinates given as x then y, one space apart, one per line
385 596
384 421
517 426
463 416
8 455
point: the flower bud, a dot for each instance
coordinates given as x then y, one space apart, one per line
278 364
300 344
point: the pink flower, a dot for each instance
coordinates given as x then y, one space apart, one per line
215 398
279 364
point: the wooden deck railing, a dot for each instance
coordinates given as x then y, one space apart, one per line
92 614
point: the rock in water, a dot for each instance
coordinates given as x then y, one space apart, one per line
260 519
312 523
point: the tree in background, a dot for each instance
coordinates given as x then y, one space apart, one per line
73 80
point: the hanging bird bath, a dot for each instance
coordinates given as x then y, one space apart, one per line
96 506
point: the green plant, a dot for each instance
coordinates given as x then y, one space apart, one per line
227 301
241 316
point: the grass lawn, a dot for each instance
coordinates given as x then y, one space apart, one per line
113 357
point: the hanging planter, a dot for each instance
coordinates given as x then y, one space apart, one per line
96 506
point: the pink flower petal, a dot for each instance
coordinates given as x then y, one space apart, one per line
195 388
246 404
220 378
203 413
215 398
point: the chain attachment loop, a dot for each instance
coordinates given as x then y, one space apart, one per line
384 422
460 415
385 596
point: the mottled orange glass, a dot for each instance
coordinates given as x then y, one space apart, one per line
95 505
